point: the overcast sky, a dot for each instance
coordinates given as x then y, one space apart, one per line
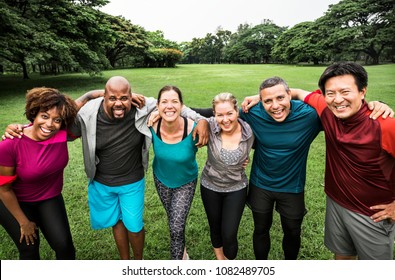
182 20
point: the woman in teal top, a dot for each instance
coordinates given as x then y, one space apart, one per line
175 167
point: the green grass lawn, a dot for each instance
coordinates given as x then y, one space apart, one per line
199 84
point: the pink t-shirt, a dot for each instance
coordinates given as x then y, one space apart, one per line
38 165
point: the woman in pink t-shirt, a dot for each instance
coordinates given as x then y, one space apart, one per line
31 176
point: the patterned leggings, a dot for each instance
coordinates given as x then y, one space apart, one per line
177 202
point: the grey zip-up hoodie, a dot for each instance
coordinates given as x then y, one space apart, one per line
85 127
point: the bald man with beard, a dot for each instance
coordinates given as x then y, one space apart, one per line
116 142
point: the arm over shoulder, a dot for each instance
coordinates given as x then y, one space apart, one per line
388 135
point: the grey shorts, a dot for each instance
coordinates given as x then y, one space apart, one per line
351 234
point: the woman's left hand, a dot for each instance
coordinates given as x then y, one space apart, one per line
138 100
28 232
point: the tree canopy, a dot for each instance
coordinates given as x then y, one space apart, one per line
51 35
73 35
349 30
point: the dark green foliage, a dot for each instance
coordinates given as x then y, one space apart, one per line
199 84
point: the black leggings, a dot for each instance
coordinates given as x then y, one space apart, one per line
51 218
224 211
261 236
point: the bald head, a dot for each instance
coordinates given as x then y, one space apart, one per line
118 84
117 97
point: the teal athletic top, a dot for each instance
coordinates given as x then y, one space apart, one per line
175 164
282 148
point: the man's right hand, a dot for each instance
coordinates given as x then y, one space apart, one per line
153 118
13 130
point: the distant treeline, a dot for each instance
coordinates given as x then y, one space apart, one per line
52 37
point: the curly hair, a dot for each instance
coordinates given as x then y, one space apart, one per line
42 99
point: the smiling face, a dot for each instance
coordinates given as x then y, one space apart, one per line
46 124
276 101
169 105
226 116
343 97
117 98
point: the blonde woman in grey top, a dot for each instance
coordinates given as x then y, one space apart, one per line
223 180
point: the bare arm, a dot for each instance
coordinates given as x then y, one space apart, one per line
16 130
13 130
249 102
378 108
202 127
7 196
83 99
299 94
138 100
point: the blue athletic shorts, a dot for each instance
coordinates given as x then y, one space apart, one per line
109 204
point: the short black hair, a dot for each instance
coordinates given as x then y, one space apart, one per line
345 68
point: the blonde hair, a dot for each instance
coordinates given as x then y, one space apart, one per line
225 97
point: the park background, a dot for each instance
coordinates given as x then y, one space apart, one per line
74 47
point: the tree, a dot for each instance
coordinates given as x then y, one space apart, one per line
302 43
162 57
15 35
221 42
253 44
193 51
51 36
361 26
262 39
157 40
125 40
70 40
209 49
162 52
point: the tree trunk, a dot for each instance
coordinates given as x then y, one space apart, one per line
25 74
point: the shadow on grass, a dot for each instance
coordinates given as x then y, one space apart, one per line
68 83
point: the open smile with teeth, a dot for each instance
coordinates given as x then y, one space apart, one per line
341 107
170 113
118 111
46 131
278 112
